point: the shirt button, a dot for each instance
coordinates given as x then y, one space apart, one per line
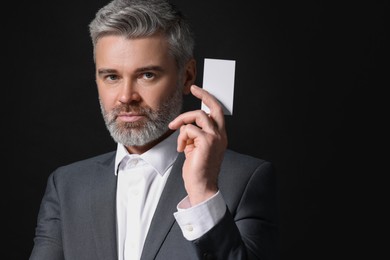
189 228
132 162
135 162
135 192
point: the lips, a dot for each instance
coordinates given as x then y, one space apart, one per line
130 117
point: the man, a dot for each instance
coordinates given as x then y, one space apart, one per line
172 190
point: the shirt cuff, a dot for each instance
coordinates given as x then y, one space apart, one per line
196 221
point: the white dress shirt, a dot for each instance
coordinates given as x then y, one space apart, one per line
141 180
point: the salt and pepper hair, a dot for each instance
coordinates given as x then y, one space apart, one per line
143 18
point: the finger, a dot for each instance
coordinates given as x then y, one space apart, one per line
199 117
216 111
186 136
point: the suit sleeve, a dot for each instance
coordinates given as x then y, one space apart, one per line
47 240
251 230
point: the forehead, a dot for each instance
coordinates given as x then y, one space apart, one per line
114 49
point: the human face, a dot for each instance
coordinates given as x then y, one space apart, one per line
140 90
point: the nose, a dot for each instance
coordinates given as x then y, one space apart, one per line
129 93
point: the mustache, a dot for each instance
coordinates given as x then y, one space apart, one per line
129 108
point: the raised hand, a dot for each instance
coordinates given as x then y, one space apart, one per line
203 139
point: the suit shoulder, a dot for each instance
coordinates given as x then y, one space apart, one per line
243 173
240 160
86 165
239 167
102 158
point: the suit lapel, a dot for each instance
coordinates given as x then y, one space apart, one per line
103 208
163 218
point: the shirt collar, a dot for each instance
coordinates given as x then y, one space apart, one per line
160 157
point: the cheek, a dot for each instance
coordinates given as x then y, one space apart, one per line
151 101
157 98
107 99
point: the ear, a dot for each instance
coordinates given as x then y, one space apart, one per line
189 76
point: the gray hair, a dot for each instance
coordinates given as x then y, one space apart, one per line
142 18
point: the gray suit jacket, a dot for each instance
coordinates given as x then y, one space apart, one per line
77 217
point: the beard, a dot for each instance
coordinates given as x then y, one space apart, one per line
152 127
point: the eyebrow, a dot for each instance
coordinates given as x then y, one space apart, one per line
106 71
139 70
149 68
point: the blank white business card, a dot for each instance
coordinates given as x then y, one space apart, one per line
218 79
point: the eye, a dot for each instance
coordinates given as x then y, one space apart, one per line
148 75
112 77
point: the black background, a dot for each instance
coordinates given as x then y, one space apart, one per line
308 76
